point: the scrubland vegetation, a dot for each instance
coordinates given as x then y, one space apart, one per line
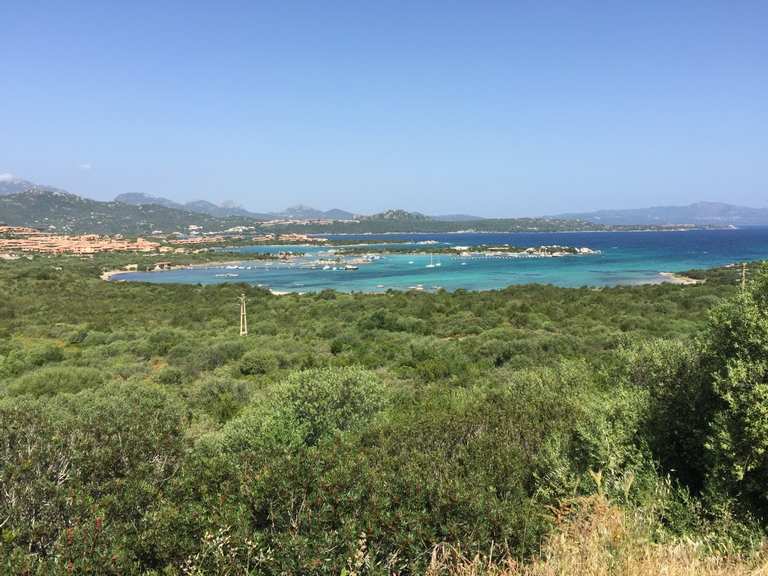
533 430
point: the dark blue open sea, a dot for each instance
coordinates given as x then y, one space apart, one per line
625 258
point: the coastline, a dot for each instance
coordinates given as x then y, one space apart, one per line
354 259
663 277
109 274
675 278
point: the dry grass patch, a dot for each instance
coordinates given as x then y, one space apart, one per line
596 538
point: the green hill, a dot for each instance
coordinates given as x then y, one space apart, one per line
399 215
64 212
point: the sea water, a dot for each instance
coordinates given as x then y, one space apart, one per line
624 258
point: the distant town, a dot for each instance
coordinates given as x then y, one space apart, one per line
18 241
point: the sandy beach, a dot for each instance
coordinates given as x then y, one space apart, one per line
110 273
673 278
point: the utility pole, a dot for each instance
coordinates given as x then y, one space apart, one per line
743 276
243 317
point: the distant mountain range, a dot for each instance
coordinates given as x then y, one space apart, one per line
698 214
198 206
25 203
299 212
11 185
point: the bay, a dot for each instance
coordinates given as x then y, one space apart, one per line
625 258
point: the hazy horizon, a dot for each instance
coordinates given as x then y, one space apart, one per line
488 109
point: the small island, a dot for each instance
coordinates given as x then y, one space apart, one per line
552 251
481 250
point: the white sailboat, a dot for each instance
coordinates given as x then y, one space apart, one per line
431 262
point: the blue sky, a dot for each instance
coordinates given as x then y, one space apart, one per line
490 108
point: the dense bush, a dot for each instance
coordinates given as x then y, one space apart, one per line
55 380
220 397
85 467
216 354
708 418
19 359
258 362
309 406
325 461
735 363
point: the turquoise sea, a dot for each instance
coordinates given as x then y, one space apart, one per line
625 258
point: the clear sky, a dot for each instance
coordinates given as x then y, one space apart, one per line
490 108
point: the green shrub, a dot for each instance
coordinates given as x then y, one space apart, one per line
311 405
171 376
163 340
325 401
319 468
181 353
79 472
44 354
218 354
432 360
708 418
258 362
56 380
343 343
95 338
219 397
735 355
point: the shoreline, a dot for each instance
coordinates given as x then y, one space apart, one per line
674 278
352 259
109 274
678 279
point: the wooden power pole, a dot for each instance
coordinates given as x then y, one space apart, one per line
743 276
243 317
